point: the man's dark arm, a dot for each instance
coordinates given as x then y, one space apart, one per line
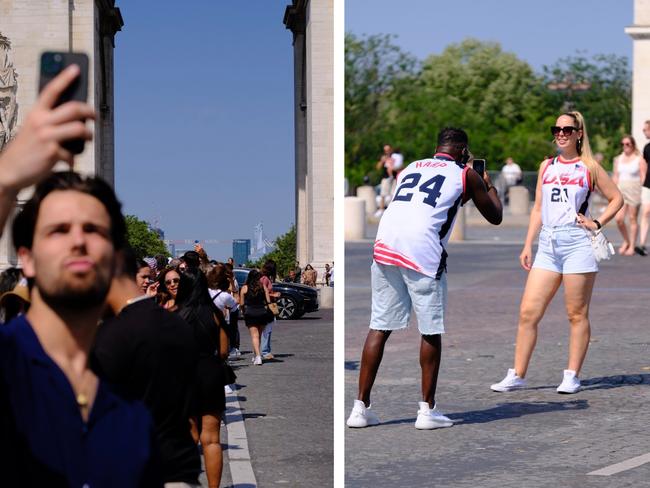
485 198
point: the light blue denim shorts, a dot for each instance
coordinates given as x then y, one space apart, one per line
396 291
566 250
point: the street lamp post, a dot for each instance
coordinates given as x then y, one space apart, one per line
569 86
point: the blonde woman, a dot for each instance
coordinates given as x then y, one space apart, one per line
629 172
564 254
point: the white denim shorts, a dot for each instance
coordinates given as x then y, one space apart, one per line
396 291
565 250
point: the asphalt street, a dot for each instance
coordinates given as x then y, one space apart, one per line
287 405
530 438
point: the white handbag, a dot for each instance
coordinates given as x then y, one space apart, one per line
603 249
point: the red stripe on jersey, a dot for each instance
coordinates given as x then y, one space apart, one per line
390 255
393 262
384 251
589 187
570 161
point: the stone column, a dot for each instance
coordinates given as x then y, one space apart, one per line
311 22
640 34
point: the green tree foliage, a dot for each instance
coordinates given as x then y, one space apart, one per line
144 241
505 107
284 253
372 67
606 105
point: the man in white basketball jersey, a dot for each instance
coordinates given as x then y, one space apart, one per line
408 272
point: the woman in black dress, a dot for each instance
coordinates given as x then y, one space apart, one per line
255 298
208 323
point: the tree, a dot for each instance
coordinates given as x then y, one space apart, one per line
505 107
284 253
142 239
372 66
606 105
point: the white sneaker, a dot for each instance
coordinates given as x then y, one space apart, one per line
570 382
257 360
234 353
431 418
361 416
509 383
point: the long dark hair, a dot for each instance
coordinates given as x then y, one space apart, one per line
253 281
269 270
163 295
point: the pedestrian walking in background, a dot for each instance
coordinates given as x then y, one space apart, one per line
269 273
168 281
328 274
564 253
195 306
309 276
219 284
409 266
511 175
629 173
645 196
254 299
385 165
145 275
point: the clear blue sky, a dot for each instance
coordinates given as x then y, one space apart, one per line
539 32
204 118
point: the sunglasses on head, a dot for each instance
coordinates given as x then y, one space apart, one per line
566 131
173 280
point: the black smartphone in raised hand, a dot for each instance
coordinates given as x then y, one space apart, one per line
52 63
479 166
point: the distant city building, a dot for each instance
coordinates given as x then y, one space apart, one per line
241 250
261 245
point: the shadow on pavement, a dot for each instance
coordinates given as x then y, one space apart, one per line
514 410
504 411
607 382
242 485
230 447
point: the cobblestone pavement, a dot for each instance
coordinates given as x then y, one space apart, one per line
287 404
530 438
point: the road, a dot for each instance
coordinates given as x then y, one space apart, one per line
530 438
287 408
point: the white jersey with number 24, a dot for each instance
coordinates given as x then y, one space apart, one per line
415 228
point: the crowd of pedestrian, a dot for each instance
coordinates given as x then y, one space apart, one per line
113 369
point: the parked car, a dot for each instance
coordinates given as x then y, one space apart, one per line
295 299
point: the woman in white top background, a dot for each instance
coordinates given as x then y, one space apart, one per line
629 173
564 254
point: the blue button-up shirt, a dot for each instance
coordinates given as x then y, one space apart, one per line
44 441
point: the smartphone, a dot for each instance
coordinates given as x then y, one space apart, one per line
52 63
479 166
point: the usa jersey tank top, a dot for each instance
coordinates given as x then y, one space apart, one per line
566 187
415 228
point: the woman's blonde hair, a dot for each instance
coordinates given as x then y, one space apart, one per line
583 147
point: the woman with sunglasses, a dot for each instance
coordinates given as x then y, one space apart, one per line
564 253
629 173
168 281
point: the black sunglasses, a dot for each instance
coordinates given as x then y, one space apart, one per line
566 131
173 280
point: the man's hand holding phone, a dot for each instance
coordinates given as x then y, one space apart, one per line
38 145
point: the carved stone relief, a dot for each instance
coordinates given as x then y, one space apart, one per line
8 89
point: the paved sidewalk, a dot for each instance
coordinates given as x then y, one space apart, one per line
287 405
530 438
